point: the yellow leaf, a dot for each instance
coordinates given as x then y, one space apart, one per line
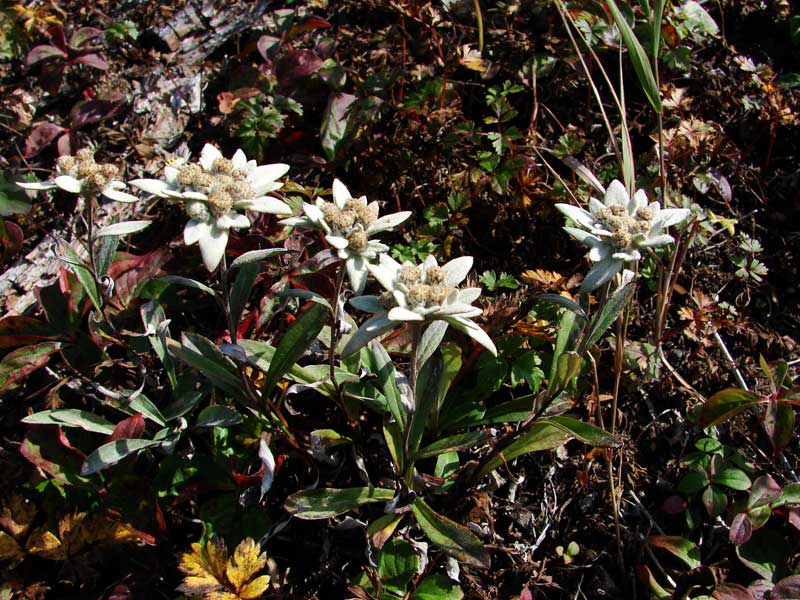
9 548
45 544
728 224
254 589
220 595
17 515
204 568
245 563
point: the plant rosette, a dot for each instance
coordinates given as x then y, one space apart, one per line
617 228
213 190
80 174
348 224
419 294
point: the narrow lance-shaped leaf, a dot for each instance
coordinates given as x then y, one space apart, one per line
327 503
294 343
241 289
70 417
84 275
113 452
124 228
454 539
639 60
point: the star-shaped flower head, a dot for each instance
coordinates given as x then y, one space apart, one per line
419 293
213 190
617 228
80 174
348 224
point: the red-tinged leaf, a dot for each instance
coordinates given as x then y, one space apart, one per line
87 112
765 490
525 594
22 362
779 425
130 428
17 330
794 517
296 64
64 144
787 588
64 441
670 35
715 500
267 43
731 591
680 547
40 136
245 481
131 272
726 404
85 34
741 529
40 53
674 505
51 75
760 589
56 34
93 60
12 238
42 449
310 24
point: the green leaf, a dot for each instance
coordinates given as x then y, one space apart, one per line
584 432
397 564
512 411
693 482
334 123
724 405
638 57
394 442
526 368
658 16
306 295
214 365
241 289
255 256
113 452
715 500
425 395
736 479
431 339
567 368
452 538
766 553
382 528
460 441
70 417
218 415
84 275
327 503
13 199
153 318
380 363
566 326
764 492
186 282
142 404
294 343
679 547
611 310
437 587
446 464
104 257
124 228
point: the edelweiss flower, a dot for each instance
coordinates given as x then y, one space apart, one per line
348 223
80 174
616 228
213 190
421 293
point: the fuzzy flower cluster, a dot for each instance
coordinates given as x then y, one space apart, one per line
348 224
419 293
617 228
213 190
81 174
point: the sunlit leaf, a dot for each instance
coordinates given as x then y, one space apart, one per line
452 538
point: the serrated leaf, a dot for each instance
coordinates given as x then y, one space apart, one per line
452 538
246 562
326 503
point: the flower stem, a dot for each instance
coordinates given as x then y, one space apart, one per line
336 331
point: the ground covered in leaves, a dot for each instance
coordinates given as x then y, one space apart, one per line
478 122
